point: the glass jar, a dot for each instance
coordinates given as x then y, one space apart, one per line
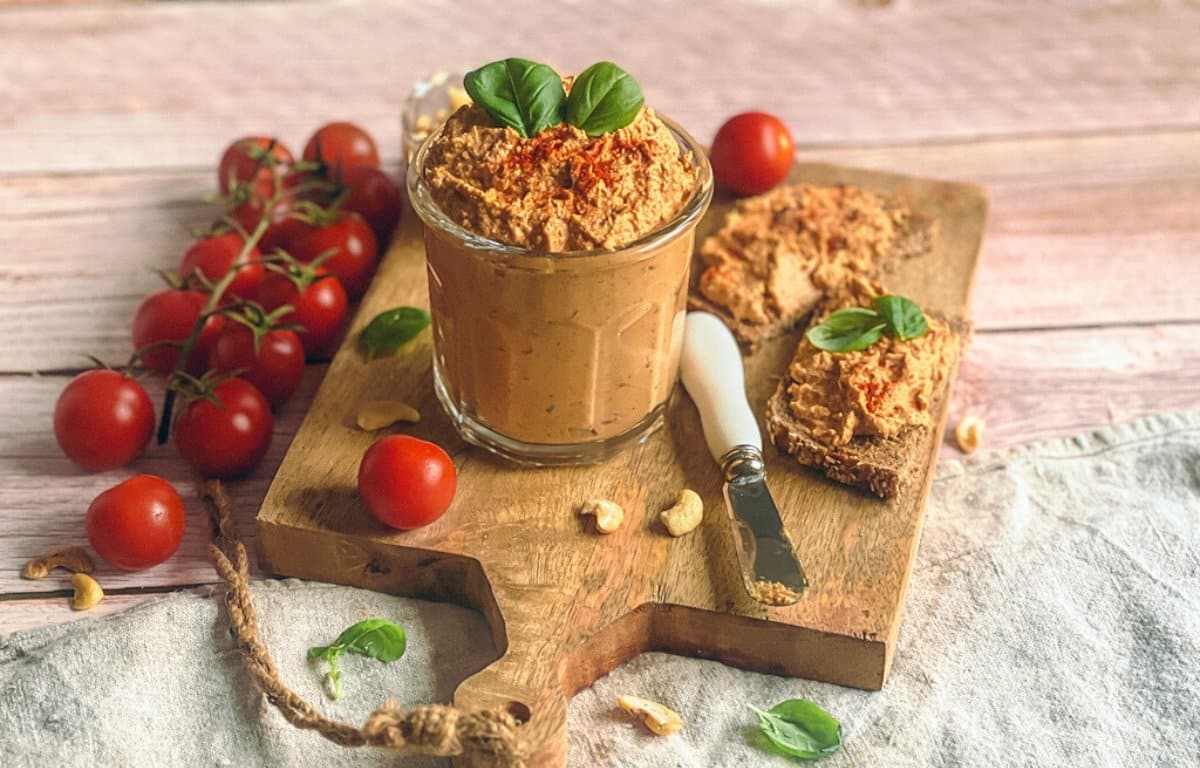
553 358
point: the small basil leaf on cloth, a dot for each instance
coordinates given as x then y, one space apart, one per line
603 98
800 728
378 638
519 93
847 330
904 318
390 329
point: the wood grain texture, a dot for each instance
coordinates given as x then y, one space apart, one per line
90 89
1074 224
566 605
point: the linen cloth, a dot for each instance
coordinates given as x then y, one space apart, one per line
1053 620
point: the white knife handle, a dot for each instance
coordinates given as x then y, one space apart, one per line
711 369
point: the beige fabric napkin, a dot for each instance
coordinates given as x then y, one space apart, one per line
1053 620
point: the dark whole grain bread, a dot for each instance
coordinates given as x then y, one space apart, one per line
881 465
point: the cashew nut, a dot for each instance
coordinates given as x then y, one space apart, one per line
687 513
377 414
658 718
71 558
969 433
87 592
608 514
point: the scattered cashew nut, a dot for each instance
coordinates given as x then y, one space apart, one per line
73 559
687 513
87 592
969 433
608 514
658 718
377 414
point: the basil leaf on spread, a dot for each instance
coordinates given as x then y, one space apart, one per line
904 318
847 330
378 638
855 328
603 98
800 728
391 329
519 93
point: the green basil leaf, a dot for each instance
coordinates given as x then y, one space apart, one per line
325 652
377 638
904 318
519 93
800 728
603 98
391 329
847 330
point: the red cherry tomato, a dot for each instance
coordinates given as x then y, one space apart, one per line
354 250
276 368
249 213
239 166
406 482
752 152
342 146
213 257
169 316
136 524
226 440
103 420
318 305
374 196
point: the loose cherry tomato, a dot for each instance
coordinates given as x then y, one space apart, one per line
103 420
239 165
354 252
374 196
213 257
752 152
318 304
276 367
406 482
226 440
137 523
341 146
169 316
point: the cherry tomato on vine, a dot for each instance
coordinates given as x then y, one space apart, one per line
213 257
354 251
374 196
405 482
341 146
136 524
169 315
318 304
276 367
103 419
240 165
226 440
249 213
752 152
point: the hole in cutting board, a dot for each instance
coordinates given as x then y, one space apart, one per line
520 711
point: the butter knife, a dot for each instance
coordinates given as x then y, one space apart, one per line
711 370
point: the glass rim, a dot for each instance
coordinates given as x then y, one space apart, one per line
431 214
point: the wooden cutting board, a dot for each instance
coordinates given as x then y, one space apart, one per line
565 605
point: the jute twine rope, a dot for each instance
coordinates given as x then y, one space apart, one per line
484 738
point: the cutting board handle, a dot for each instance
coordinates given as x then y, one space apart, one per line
711 370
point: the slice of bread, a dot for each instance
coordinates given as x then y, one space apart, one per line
755 252
881 465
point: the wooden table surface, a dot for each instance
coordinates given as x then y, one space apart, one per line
1083 121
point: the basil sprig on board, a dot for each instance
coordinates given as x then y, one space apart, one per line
391 329
520 93
855 328
603 98
378 638
800 728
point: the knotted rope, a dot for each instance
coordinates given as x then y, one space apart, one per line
484 738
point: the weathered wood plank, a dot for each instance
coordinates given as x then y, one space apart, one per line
90 89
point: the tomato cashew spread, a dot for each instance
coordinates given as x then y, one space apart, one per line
777 253
560 190
881 390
